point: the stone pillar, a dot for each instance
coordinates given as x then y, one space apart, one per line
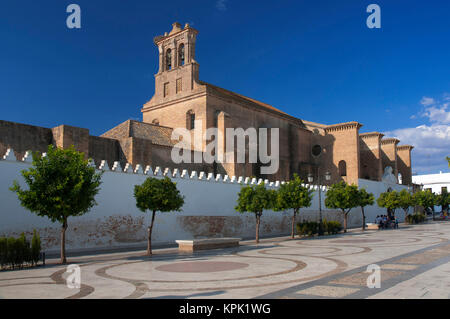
389 154
404 163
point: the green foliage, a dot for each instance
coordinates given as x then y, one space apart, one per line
415 218
425 198
311 228
405 200
389 200
365 198
3 252
448 160
35 247
307 228
342 196
15 252
60 185
332 227
293 195
158 195
255 199
443 200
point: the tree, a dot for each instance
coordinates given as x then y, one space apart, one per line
254 199
157 195
443 200
344 197
390 201
364 199
426 199
448 160
60 185
293 195
405 201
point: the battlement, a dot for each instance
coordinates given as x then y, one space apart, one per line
183 174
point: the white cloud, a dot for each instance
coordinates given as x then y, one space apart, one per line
438 114
431 145
221 5
431 141
427 101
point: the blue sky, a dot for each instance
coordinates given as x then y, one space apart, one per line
315 60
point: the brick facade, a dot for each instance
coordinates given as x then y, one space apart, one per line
180 97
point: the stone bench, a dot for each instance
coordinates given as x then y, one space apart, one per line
209 243
372 226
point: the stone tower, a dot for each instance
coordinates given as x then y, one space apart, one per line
178 70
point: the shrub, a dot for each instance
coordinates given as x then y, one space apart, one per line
416 218
35 247
333 227
3 252
16 252
307 228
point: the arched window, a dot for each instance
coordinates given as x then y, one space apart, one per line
190 120
181 54
168 59
342 168
155 122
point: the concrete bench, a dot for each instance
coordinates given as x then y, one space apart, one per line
372 226
209 243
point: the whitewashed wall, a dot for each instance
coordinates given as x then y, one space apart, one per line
116 222
376 188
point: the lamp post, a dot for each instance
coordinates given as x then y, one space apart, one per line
311 180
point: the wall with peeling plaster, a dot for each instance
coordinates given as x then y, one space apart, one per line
116 222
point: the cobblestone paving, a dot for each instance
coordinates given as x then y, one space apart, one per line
414 261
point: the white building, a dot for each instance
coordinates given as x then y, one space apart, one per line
436 182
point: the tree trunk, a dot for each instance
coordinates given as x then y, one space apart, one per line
149 239
258 219
293 225
345 222
63 242
364 219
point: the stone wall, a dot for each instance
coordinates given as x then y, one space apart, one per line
116 222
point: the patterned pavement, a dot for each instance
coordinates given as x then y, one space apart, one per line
414 262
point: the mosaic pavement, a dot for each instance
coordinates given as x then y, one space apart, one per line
414 262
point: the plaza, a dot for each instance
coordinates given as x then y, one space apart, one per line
414 263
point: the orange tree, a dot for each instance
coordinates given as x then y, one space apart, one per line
364 199
60 185
344 197
293 195
157 195
254 199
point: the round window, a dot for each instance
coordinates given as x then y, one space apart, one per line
316 150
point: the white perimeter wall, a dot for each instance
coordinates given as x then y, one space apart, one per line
116 222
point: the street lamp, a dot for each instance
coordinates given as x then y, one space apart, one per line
311 180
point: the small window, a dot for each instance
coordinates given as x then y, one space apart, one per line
190 120
168 59
179 86
166 89
342 168
181 54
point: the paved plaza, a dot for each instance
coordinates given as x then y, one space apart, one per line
414 263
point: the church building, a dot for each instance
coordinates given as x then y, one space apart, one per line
182 100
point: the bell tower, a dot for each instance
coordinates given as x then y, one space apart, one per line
178 70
